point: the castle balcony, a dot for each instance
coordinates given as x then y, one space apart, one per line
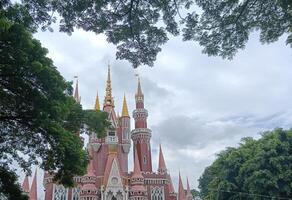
111 139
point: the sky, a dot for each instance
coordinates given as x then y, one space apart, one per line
198 105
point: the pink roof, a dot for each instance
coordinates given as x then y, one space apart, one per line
171 188
139 90
33 195
137 170
188 188
161 162
181 191
108 166
76 93
25 185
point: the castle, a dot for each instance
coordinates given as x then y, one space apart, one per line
108 176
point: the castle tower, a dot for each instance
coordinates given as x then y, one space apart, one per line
141 135
138 190
89 190
124 136
189 195
33 193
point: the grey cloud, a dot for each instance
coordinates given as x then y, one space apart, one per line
184 131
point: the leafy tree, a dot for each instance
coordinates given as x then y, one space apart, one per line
11 187
257 169
225 26
139 28
195 193
39 118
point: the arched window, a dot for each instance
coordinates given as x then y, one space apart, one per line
76 193
60 193
157 193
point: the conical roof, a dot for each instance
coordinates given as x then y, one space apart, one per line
137 170
181 191
25 185
33 194
161 162
125 112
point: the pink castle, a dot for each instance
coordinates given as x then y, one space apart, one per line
108 176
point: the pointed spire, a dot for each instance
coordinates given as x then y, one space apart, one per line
181 191
108 99
97 107
76 91
137 169
25 185
33 195
161 163
125 112
139 90
171 188
189 194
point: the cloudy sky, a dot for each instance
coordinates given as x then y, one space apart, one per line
198 105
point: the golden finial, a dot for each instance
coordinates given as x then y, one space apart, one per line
108 99
125 112
97 107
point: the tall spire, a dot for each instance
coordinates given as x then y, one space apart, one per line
97 107
161 163
108 99
25 185
139 90
33 195
125 112
181 191
189 195
76 91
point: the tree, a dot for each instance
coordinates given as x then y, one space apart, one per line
139 28
225 26
257 169
39 118
195 193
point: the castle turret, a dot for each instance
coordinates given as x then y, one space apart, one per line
89 190
125 127
141 135
138 190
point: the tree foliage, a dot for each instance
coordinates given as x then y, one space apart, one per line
39 118
257 169
139 28
11 188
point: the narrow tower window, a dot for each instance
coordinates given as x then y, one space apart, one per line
144 160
